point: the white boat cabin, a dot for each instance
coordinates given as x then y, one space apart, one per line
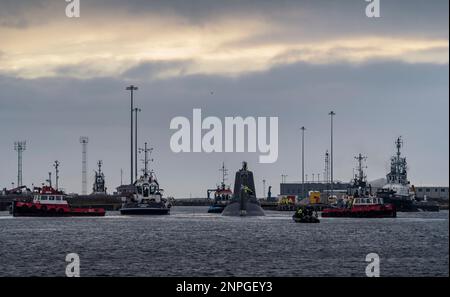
50 199
367 201
147 190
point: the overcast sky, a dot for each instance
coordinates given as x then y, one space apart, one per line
62 78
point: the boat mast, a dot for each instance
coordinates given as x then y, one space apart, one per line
56 165
146 159
361 177
398 165
224 173
99 164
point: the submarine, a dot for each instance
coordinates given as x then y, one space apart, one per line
244 202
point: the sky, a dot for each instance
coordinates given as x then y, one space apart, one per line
62 78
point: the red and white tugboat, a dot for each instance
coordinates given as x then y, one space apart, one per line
222 194
360 203
48 202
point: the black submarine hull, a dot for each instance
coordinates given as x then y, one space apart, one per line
244 202
250 209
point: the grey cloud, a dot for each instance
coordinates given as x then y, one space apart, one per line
151 69
295 18
22 14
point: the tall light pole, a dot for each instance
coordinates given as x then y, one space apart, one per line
331 114
264 188
19 147
136 110
303 161
84 141
131 88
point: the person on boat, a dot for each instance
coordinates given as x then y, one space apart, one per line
247 190
299 213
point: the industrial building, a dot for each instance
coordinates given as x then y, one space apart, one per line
432 192
288 189
295 189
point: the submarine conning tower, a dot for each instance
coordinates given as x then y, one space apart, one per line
244 202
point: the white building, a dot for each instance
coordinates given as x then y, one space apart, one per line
432 192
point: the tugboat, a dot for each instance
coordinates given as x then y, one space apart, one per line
147 197
50 202
99 183
222 194
359 202
244 202
398 190
305 214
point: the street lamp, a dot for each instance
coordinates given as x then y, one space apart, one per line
303 160
136 110
331 114
131 88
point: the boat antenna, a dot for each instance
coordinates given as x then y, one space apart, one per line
399 143
49 180
224 171
361 177
146 152
56 165
99 164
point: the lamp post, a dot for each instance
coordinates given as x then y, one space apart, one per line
136 110
264 188
331 114
131 88
303 161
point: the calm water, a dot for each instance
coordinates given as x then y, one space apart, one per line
191 242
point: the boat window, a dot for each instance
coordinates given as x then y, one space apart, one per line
43 197
139 190
58 198
51 198
153 189
146 191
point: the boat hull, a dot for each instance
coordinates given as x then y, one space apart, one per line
249 208
29 209
401 204
306 220
381 211
216 209
427 206
145 211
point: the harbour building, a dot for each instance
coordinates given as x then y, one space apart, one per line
432 192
